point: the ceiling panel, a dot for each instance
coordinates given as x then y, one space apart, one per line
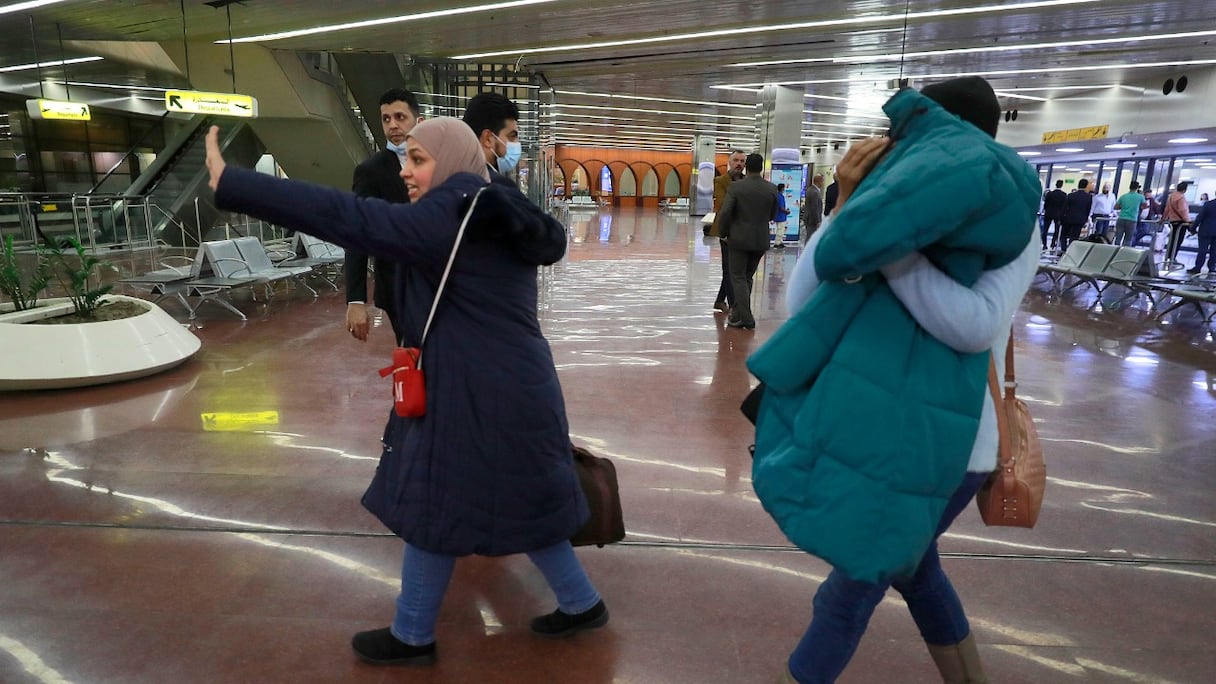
856 45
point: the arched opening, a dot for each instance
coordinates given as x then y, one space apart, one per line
628 185
671 184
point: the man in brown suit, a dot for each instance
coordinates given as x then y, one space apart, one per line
734 171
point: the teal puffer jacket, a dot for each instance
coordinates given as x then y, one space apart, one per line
867 423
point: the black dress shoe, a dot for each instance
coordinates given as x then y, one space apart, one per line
380 647
741 325
559 624
1193 271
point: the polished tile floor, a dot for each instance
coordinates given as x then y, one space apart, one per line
204 525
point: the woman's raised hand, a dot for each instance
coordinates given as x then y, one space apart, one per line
215 160
857 162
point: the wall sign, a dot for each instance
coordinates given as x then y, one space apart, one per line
220 104
58 109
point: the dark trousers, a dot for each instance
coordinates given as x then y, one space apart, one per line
1207 247
1044 225
743 265
1101 225
1176 234
1069 232
726 292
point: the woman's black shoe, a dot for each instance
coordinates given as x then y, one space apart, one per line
380 647
559 624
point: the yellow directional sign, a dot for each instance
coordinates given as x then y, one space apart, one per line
222 104
230 421
58 109
1075 134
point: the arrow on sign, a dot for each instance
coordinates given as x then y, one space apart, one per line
175 101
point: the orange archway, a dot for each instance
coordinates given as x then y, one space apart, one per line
640 164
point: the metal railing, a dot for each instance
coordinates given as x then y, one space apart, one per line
97 222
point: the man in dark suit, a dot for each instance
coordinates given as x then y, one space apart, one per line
1205 225
743 223
380 176
1053 212
1077 208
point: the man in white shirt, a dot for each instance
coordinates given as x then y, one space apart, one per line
1104 206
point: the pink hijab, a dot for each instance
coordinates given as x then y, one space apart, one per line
454 147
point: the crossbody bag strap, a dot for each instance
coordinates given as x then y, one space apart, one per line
1005 440
446 270
1010 379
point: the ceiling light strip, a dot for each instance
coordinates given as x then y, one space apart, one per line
382 21
52 63
563 107
1002 72
866 59
32 4
767 28
654 99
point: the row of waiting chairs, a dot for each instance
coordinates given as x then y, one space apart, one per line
220 266
1102 265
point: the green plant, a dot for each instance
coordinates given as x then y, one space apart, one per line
12 282
84 299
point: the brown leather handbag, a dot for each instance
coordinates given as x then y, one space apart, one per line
597 476
1013 495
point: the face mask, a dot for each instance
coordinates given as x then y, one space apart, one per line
399 149
514 152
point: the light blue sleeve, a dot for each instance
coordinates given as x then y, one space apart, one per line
964 319
804 280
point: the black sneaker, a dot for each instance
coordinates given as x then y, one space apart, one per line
380 647
559 624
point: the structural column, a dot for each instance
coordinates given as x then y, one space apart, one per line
780 124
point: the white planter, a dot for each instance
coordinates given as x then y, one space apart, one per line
78 354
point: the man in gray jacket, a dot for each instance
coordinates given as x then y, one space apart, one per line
812 208
743 224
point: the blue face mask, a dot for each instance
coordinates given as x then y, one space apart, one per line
399 149
511 159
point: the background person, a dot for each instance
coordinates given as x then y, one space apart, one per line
743 224
1053 213
488 469
1128 205
495 121
782 218
734 171
1177 213
380 176
812 211
1205 227
1077 209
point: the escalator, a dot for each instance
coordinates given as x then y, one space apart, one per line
180 203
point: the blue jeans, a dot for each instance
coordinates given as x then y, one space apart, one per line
425 577
843 606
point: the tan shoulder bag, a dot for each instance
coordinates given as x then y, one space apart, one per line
1013 495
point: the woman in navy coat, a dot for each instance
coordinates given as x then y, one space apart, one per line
488 469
